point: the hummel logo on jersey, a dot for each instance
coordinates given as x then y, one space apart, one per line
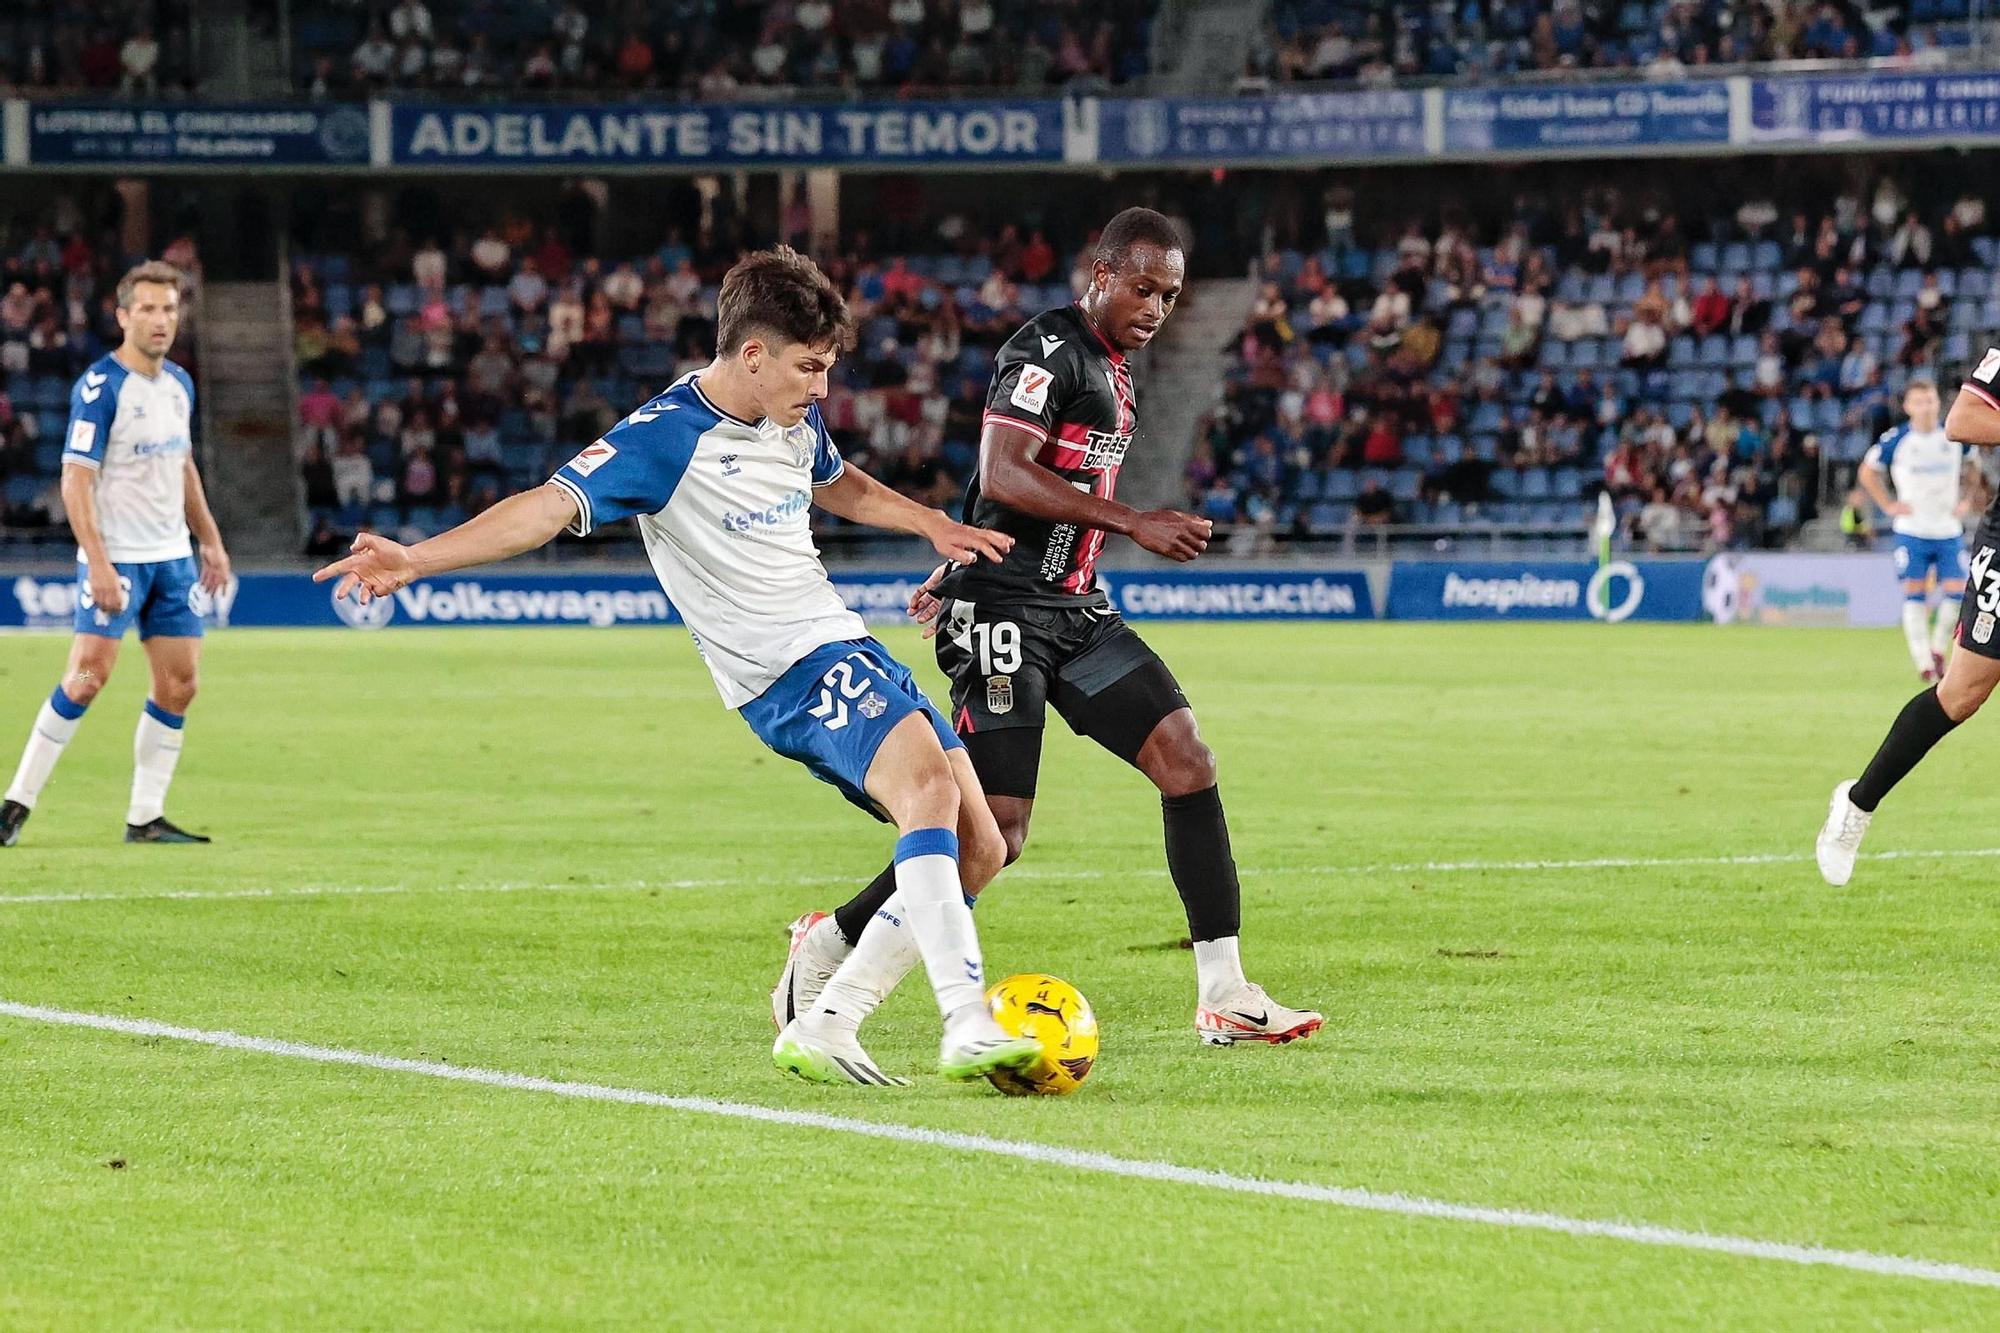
593 457
729 468
1049 345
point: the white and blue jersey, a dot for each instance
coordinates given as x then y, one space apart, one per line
1927 469
135 432
724 507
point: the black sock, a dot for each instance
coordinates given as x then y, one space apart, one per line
852 917
1199 860
1922 724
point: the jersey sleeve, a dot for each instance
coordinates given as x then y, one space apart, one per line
1030 392
1883 452
1981 384
93 402
634 469
827 464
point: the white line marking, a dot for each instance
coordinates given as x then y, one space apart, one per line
1076 1159
642 885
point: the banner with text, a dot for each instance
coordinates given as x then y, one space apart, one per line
1587 116
1316 126
1859 108
1859 588
1545 590
640 135
603 600
180 134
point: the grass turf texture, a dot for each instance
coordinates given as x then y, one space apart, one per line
1734 1049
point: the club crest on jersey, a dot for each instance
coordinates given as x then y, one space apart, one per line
592 457
1982 628
999 694
802 439
1031 392
872 706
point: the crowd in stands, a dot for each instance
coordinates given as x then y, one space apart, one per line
1701 373
58 313
1377 43
438 377
718 50
133 47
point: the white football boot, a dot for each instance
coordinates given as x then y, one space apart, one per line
1840 837
975 1045
1248 1014
816 954
828 1057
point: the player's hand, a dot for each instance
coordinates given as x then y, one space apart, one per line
107 590
925 604
962 545
377 568
214 567
1171 533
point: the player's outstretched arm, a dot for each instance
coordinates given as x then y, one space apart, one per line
1009 475
518 523
1973 418
859 498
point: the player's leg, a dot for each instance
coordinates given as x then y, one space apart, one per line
1913 565
1143 717
1951 584
156 742
92 655
1928 718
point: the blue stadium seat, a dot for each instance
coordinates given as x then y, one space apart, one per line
1567 483
1881 281
1405 484
1909 282
1826 415
1681 350
1714 350
1535 484
1450 449
1506 483
1325 517
1766 257
1418 450
1736 258
1743 351
1957 347
1340 485
1487 417
1555 355
1306 487
1587 354
1704 257
1486 448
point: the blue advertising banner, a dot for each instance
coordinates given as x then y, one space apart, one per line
604 600
1862 107
1586 117
658 135
1545 590
271 134
1324 125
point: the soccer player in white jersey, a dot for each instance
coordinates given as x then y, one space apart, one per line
721 472
1927 468
1970 675
130 486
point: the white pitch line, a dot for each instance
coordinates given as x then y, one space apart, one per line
633 886
1861 1261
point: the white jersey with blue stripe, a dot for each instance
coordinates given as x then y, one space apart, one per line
724 506
1927 469
135 431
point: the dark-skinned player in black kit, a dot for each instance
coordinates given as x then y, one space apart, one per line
1036 631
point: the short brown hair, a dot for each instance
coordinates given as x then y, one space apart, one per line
780 292
153 270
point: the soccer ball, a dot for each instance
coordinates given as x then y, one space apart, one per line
1054 1013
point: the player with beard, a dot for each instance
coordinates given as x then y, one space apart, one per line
1035 630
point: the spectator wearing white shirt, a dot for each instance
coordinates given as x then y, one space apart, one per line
139 58
410 19
374 58
427 266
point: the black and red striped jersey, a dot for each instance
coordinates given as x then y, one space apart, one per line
1060 381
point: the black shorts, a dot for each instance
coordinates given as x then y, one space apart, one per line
1979 614
1009 664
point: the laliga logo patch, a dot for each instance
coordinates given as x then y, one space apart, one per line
593 457
1988 365
1031 393
999 694
377 613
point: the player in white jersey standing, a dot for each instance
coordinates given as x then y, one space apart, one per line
1928 469
721 471
130 486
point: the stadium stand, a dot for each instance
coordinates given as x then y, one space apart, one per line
135 47
1502 373
1380 44
717 49
437 381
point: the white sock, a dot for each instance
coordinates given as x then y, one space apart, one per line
881 958
156 748
1218 968
1946 627
1917 633
45 745
934 906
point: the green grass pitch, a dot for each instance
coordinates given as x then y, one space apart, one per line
1729 1048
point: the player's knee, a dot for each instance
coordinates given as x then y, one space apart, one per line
981 852
83 683
1187 766
929 798
1013 839
1960 699
178 691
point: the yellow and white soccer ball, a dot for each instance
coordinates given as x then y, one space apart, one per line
1055 1013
